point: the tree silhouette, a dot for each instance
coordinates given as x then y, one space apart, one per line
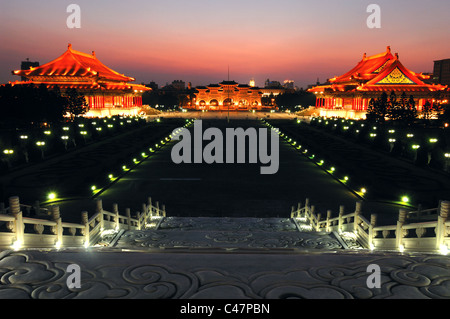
378 108
75 103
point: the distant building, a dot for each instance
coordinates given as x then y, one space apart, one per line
179 85
289 85
153 85
227 95
272 84
441 72
26 65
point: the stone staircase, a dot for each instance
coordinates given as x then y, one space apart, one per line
229 234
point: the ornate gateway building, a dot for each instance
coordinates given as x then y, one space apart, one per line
107 92
227 95
349 95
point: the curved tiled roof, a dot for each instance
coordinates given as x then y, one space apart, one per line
73 63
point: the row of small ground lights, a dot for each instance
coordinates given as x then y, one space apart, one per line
23 146
112 178
423 146
361 191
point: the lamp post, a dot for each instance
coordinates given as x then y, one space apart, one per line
41 145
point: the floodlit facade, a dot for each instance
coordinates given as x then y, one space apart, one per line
227 95
107 92
349 95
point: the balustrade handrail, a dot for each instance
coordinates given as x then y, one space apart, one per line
84 234
367 230
34 221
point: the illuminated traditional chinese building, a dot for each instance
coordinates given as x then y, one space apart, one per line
349 95
107 92
227 95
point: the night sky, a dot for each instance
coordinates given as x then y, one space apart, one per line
195 41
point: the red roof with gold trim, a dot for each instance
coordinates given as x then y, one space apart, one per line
381 72
73 63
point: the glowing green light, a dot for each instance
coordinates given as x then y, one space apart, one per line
51 196
405 199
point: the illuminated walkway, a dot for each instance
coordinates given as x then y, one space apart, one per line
231 190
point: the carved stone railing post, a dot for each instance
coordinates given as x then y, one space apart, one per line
146 213
128 213
293 212
341 217
299 209
150 206
14 206
312 215
373 222
116 217
399 230
157 209
319 216
86 232
444 211
163 210
139 221
357 213
99 211
58 230
328 220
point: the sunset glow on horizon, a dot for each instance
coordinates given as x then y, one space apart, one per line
197 41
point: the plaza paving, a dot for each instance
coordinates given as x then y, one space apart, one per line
222 259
